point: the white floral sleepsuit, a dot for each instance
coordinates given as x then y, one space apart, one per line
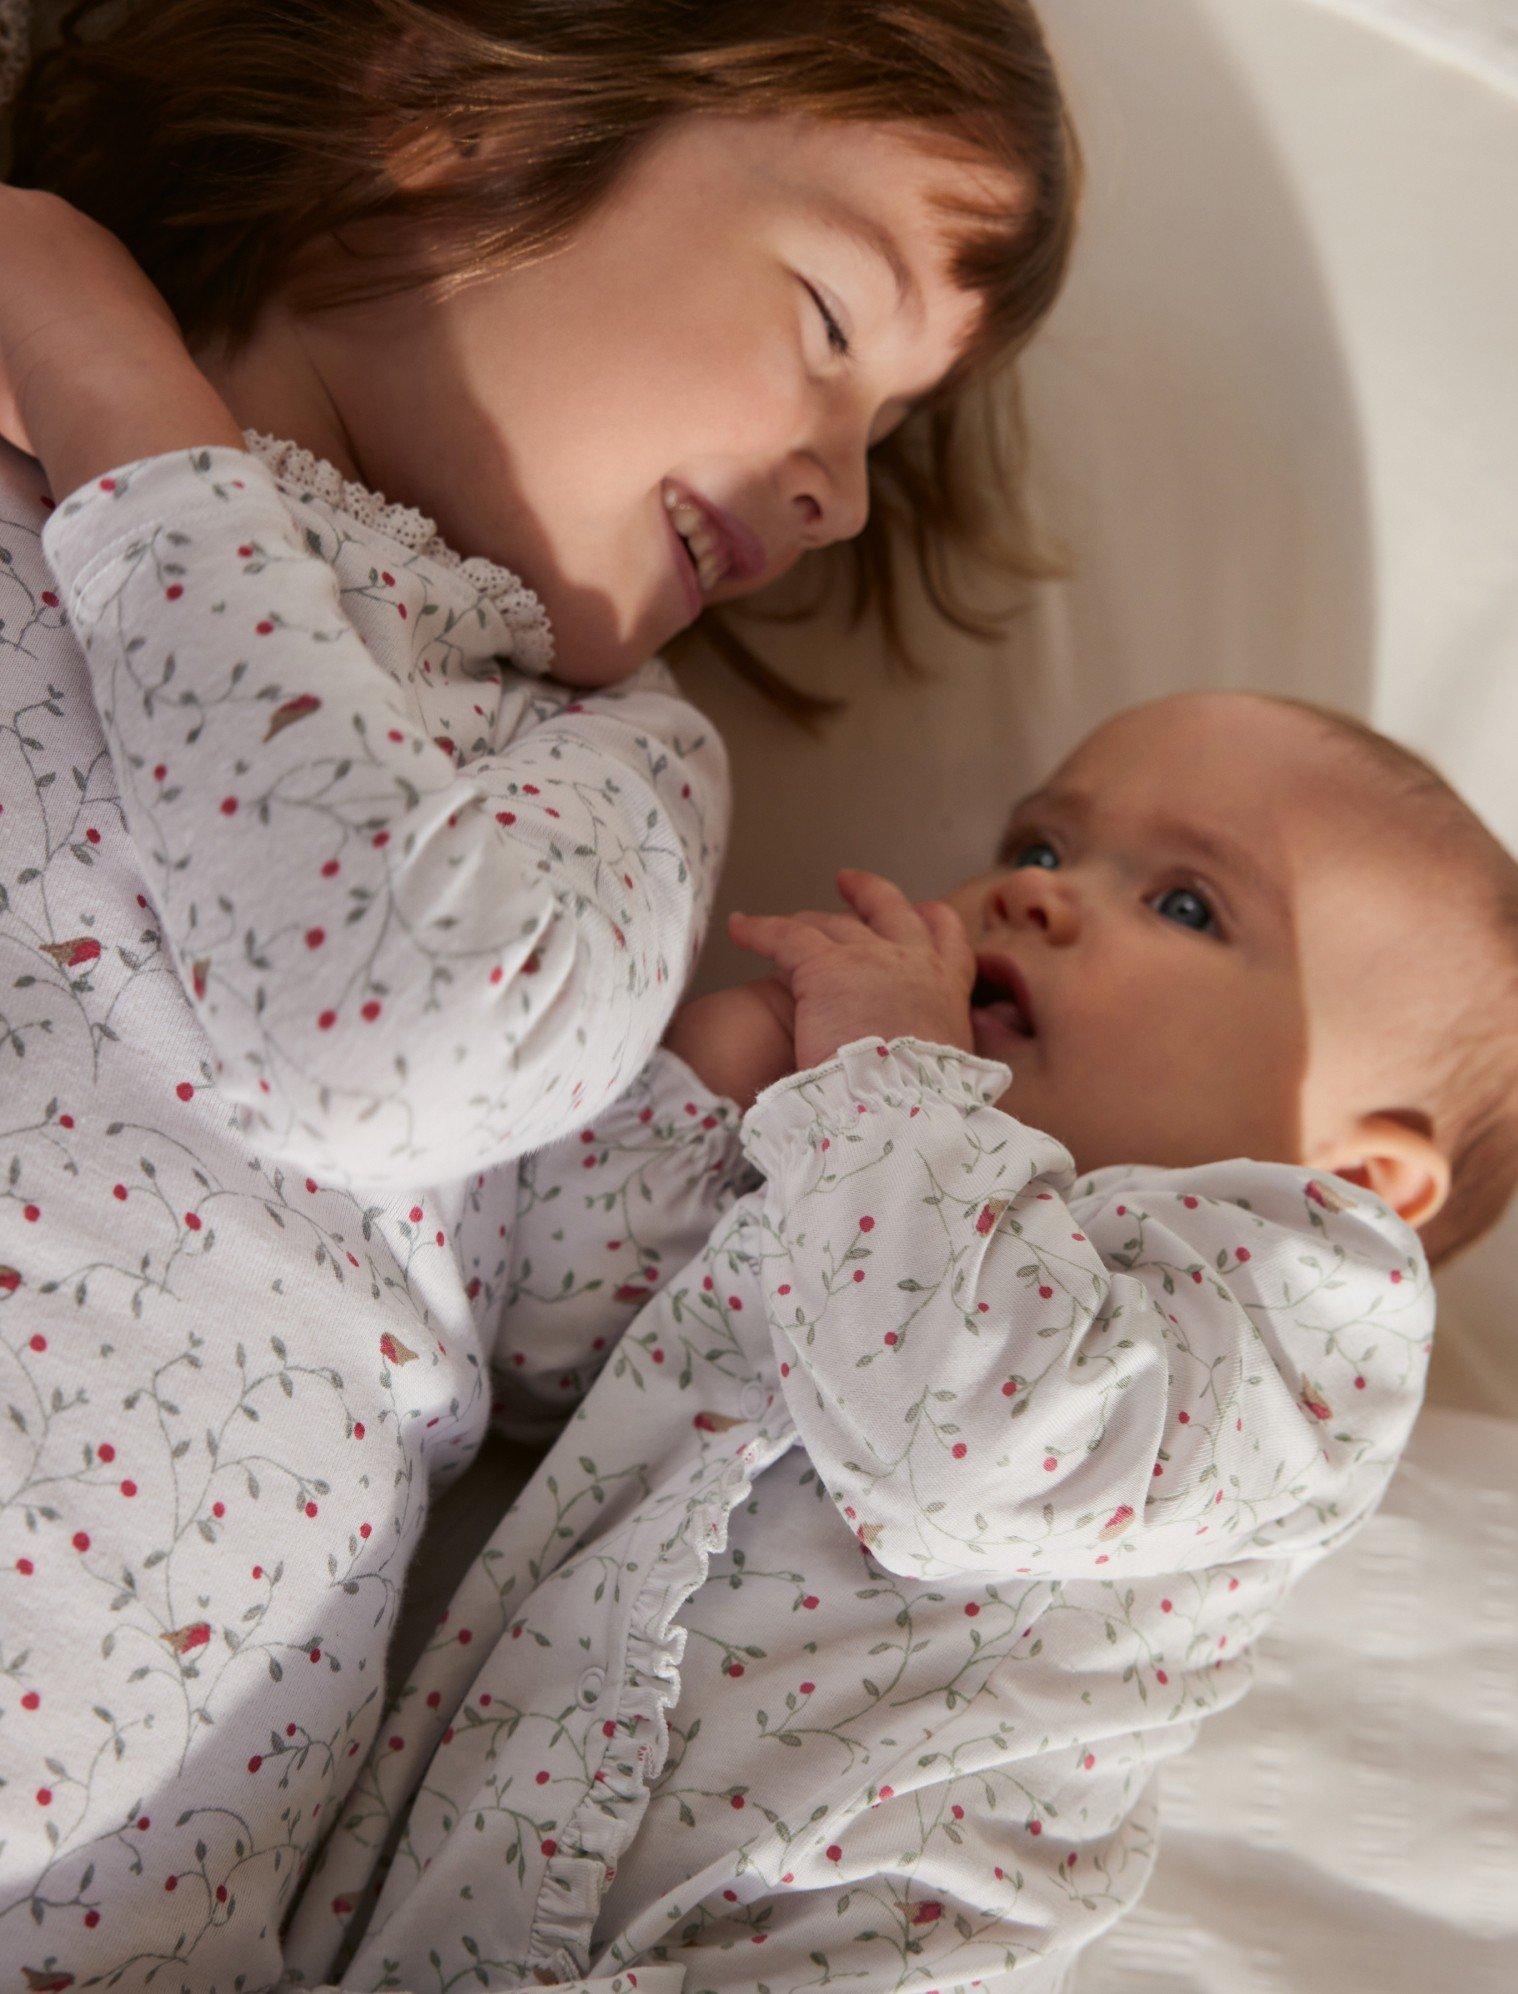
314 914
918 1512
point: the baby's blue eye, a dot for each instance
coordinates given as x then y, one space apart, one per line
1038 852
1186 909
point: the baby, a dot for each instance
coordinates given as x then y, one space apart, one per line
1083 1261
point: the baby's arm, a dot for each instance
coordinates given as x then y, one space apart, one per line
739 1041
998 1373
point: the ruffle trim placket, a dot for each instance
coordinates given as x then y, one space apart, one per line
574 1882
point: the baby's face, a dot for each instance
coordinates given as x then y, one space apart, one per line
1184 951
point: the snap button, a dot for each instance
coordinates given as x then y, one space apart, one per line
754 1401
591 1684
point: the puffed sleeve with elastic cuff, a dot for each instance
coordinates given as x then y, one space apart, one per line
998 1371
412 958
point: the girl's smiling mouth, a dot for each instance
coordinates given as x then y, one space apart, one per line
714 546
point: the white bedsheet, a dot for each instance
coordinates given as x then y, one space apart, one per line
1352 1826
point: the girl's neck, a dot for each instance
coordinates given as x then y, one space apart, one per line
272 383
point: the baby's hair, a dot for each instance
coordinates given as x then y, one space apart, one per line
221 139
1472 1045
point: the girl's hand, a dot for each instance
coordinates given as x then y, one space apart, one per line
739 1041
93 369
889 969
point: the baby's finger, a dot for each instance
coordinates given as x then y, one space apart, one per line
950 936
882 903
779 938
837 927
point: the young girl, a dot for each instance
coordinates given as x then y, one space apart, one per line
320 914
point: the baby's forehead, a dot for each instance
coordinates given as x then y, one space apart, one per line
1192 763
1199 734
1224 762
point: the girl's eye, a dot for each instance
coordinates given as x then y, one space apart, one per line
1187 909
838 339
1038 851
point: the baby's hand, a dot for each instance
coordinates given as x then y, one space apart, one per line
93 369
890 968
739 1041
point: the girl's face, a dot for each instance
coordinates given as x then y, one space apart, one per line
673 408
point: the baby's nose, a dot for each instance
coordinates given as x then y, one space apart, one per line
1034 897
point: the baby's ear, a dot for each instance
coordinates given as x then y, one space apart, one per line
1396 1156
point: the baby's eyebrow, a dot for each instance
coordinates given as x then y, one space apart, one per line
1057 802
1226 855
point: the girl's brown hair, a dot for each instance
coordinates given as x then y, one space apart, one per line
222 139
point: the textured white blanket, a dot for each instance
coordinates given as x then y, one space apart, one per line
1353 1824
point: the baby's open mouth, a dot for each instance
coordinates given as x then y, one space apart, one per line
1001 994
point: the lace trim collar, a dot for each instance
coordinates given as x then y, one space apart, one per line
521 611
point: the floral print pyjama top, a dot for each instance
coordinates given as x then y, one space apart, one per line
319 907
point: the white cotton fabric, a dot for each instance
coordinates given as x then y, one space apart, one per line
909 1526
312 907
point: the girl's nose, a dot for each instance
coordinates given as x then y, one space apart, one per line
828 492
1035 896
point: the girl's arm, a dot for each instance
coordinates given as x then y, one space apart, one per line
997 1372
93 368
412 957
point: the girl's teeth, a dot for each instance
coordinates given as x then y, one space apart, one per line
705 549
